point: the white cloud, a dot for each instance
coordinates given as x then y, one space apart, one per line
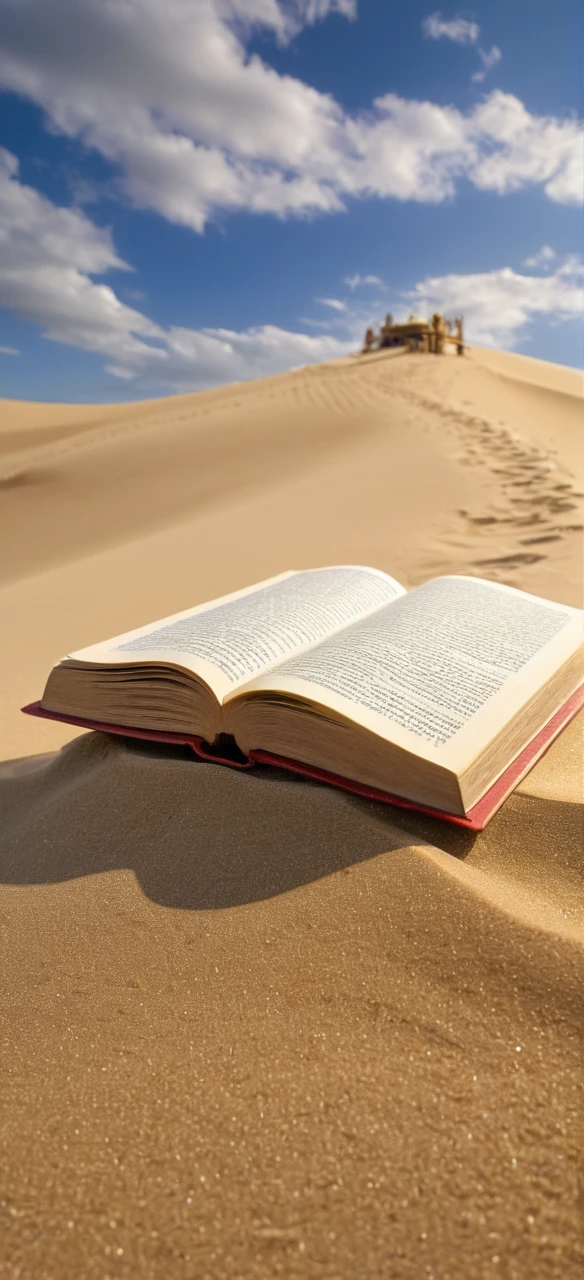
488 60
542 258
334 303
408 150
47 258
571 266
192 124
458 29
498 305
208 357
36 231
303 13
9 351
462 31
522 149
169 96
285 17
357 281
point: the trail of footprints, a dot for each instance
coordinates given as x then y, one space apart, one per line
539 507
540 504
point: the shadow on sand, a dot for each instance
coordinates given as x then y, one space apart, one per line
196 835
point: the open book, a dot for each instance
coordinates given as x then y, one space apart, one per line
427 696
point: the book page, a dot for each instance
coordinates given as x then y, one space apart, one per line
233 639
425 670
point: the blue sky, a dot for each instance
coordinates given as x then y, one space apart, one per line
198 191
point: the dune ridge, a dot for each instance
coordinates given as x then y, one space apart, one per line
255 1026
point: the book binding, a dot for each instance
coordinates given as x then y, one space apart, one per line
226 753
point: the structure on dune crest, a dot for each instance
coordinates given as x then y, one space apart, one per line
434 336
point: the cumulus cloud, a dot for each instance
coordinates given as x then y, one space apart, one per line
498 305
48 256
357 281
169 96
543 258
458 29
192 124
523 149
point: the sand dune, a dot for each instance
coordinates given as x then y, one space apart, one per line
419 467
255 1026
122 471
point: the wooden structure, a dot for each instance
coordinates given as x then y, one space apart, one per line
429 336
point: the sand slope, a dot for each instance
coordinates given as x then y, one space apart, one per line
418 466
255 1027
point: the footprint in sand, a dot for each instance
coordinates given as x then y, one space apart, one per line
518 559
547 537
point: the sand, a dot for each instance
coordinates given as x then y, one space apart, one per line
253 1026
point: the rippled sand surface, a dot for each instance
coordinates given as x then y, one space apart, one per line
253 1026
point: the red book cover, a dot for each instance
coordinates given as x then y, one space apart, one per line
475 820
